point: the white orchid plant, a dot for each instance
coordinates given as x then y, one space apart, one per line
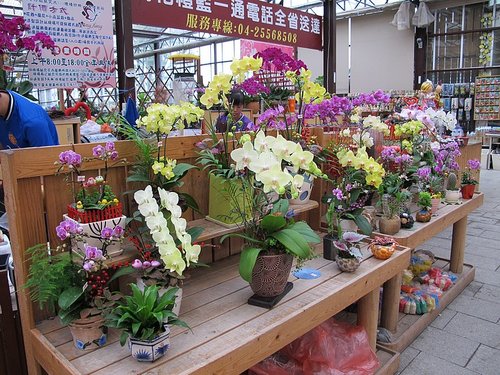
173 250
268 167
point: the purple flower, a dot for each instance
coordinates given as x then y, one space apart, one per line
113 155
424 173
110 146
137 264
70 157
70 226
474 164
88 265
118 231
98 151
62 233
338 194
92 252
155 263
146 264
106 233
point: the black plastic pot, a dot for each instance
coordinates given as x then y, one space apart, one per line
329 250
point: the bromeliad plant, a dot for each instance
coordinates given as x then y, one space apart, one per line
144 314
270 227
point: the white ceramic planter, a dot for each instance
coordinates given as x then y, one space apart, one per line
94 229
304 191
178 300
452 196
150 351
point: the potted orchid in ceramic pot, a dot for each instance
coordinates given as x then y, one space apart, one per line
272 237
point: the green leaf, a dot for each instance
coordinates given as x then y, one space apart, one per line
69 296
138 178
306 231
182 168
135 328
281 206
123 338
272 223
247 262
240 235
25 87
122 272
195 232
294 242
363 224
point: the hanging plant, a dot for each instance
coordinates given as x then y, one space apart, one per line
485 40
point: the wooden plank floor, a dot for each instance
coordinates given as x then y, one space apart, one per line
228 335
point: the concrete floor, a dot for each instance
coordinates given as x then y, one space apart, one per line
465 338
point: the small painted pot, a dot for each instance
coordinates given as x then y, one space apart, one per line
423 216
150 351
382 251
347 264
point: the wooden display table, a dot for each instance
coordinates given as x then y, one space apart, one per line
447 215
228 335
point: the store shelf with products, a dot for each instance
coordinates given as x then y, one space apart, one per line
487 99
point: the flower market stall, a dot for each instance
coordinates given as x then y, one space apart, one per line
281 180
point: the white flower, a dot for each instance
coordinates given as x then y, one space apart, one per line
262 142
243 156
274 179
301 159
163 238
148 209
266 160
144 196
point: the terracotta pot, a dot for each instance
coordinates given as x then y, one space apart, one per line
468 191
88 333
435 205
424 216
150 351
347 264
270 274
389 226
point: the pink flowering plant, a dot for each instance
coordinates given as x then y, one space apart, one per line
15 47
469 176
90 193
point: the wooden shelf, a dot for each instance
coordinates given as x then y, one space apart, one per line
210 230
410 326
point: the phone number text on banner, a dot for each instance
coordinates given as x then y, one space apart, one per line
239 18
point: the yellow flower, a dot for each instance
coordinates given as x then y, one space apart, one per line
104 201
79 205
221 82
374 180
210 97
116 201
157 167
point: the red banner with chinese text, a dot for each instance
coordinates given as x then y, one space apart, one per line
246 19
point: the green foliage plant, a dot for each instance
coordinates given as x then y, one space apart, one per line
424 200
143 315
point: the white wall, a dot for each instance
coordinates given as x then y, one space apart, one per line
381 56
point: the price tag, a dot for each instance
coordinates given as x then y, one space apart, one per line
81 179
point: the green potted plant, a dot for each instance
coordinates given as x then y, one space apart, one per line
145 319
78 289
349 254
424 203
271 234
452 194
469 180
392 199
